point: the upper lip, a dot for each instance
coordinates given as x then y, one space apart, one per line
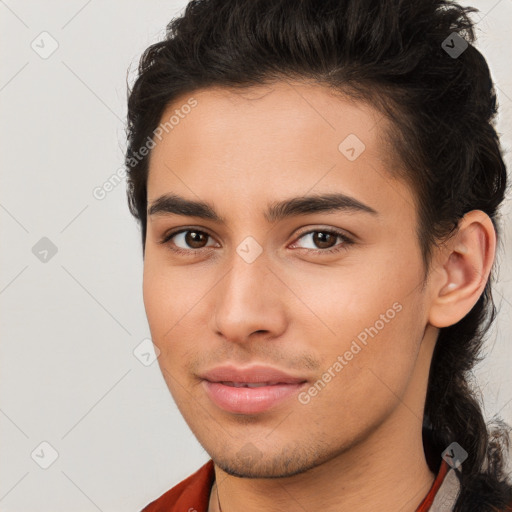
252 374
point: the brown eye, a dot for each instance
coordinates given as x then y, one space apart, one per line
323 241
195 239
187 240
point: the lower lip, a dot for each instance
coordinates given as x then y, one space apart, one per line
249 400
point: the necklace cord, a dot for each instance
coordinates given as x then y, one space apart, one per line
218 499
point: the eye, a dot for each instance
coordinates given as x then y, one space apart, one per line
189 241
186 241
324 241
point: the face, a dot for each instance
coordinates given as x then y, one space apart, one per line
317 303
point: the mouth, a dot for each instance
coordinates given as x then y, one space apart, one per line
250 384
252 390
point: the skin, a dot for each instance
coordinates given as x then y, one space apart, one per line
357 444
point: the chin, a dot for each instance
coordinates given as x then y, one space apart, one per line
250 462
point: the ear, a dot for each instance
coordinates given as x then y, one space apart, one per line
461 269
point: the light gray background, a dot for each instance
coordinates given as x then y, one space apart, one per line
70 325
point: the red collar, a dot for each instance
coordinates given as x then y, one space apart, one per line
429 498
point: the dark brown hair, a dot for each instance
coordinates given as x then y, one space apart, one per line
393 54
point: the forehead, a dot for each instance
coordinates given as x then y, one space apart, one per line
261 141
291 117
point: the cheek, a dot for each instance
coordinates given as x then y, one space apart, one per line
161 295
167 293
342 302
163 311
371 333
362 382
154 296
171 299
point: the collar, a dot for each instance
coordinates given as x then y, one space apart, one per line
444 491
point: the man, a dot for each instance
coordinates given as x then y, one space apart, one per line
317 185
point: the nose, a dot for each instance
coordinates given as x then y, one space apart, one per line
249 302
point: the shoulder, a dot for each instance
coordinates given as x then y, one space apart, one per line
190 495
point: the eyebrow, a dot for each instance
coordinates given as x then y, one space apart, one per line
295 206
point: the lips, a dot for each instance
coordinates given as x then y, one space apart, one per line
253 375
249 390
248 384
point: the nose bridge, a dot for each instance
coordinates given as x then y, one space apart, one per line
243 303
246 282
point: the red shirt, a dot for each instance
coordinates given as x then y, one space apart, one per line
193 493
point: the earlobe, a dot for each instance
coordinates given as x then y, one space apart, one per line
464 265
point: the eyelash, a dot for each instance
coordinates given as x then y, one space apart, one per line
346 241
